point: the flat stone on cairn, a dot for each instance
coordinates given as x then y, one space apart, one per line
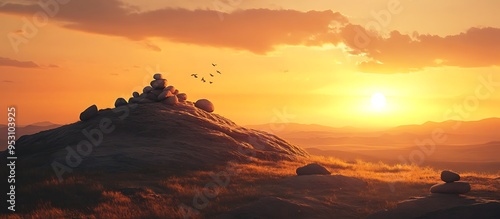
451 185
159 84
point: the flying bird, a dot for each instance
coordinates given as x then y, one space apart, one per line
203 79
213 64
194 75
218 72
211 75
211 82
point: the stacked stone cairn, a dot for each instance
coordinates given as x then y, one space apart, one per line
451 184
158 91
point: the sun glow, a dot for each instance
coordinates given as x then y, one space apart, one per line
378 101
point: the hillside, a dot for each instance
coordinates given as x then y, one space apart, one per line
26 130
155 160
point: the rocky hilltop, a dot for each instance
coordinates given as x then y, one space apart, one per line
146 135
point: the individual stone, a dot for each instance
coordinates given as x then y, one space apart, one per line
133 100
152 97
170 88
156 92
120 102
205 104
158 76
140 100
147 89
135 94
448 176
159 84
164 95
451 188
182 97
89 113
312 169
171 100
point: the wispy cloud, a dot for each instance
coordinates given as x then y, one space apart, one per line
255 30
476 47
151 46
16 63
263 30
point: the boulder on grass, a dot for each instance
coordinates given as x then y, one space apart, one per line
312 169
205 104
88 113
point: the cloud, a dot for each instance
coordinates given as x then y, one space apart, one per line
255 30
476 47
263 30
149 45
15 63
7 81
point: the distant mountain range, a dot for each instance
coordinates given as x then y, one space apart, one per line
25 130
460 145
455 132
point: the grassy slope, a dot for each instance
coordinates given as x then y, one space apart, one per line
158 195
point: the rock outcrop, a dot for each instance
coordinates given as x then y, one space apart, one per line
157 92
88 113
452 184
312 169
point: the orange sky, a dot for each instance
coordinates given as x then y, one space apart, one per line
319 62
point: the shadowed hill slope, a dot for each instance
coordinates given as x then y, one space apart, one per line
148 137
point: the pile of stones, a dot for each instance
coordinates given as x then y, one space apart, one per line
158 91
451 184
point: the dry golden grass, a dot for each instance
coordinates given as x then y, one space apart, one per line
101 197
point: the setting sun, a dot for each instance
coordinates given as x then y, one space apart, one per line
378 101
252 108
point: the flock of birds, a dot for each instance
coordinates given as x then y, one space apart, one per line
211 75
